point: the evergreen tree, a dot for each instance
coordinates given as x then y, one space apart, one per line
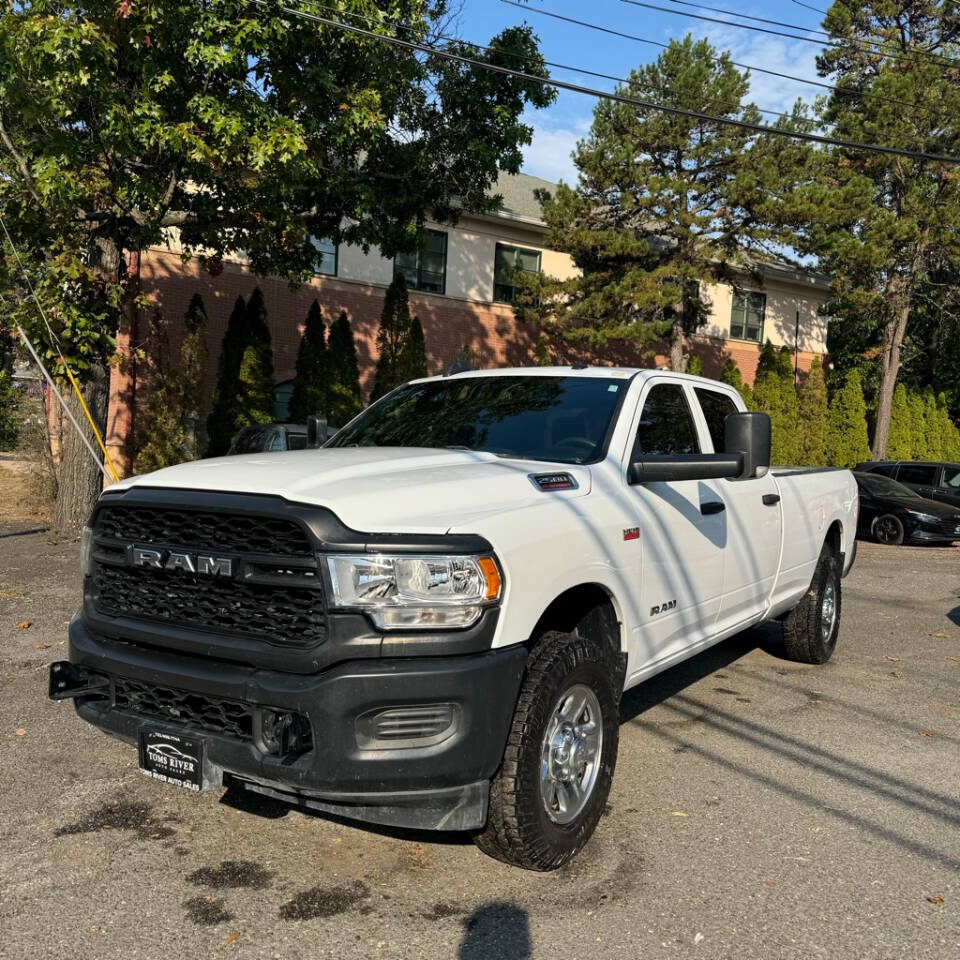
412 363
391 337
255 402
695 365
654 218
343 374
813 417
309 397
949 435
900 441
730 373
769 362
774 394
933 447
847 442
918 425
221 424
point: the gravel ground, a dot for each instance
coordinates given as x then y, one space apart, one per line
760 809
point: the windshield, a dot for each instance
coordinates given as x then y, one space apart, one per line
563 419
884 487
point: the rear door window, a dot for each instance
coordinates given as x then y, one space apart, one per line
666 423
716 408
951 478
917 474
885 469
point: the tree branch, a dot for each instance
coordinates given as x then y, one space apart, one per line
19 161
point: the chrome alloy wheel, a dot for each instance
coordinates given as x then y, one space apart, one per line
828 611
570 754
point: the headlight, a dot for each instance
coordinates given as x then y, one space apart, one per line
926 517
86 552
415 592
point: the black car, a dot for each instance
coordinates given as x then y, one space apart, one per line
931 479
269 437
892 513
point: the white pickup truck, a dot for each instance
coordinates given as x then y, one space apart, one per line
430 621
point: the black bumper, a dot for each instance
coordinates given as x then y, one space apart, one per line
437 783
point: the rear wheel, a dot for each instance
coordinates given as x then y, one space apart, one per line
887 529
810 629
550 791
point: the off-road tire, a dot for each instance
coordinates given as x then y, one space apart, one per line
892 530
519 830
805 637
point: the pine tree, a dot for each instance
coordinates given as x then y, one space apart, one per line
768 363
255 400
933 449
813 417
847 443
790 441
309 397
343 374
412 363
900 441
391 337
730 373
774 394
695 365
221 424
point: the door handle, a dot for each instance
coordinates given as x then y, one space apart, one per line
771 499
712 506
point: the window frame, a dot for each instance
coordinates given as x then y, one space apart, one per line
516 249
317 272
744 296
697 390
397 268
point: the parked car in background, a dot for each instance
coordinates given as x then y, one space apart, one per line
269 438
931 479
891 512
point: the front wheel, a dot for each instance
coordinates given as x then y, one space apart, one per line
888 529
810 629
550 791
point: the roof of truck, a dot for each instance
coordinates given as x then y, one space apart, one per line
614 373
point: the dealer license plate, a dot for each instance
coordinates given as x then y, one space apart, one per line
172 758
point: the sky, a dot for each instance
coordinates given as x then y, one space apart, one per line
557 129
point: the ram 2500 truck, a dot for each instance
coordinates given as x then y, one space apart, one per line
430 621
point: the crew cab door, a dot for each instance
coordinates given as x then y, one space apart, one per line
754 524
682 531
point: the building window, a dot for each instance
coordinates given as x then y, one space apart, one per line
746 318
425 269
508 262
326 262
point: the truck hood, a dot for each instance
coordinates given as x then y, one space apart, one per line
379 489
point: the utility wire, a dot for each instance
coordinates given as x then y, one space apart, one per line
918 56
747 16
807 5
606 95
743 66
526 58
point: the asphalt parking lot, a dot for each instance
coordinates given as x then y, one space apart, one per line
761 809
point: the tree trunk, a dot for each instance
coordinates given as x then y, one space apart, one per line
889 370
676 346
80 480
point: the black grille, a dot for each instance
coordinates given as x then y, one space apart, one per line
204 531
226 717
280 614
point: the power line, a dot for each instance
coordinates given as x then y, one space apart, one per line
736 63
606 95
919 56
527 58
807 5
746 16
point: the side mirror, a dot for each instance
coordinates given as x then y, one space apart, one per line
748 435
316 432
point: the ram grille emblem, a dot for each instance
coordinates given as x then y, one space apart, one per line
205 564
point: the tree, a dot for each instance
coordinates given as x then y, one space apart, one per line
167 416
813 415
918 425
9 398
221 423
881 225
774 393
344 400
900 438
254 401
695 365
391 337
653 218
847 442
309 397
412 363
933 445
243 126
730 373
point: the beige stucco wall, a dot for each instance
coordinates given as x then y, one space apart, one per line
784 299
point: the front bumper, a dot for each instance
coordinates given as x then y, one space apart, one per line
432 784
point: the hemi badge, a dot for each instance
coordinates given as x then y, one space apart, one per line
553 481
631 533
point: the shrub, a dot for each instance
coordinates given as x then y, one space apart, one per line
847 442
343 374
309 396
813 414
